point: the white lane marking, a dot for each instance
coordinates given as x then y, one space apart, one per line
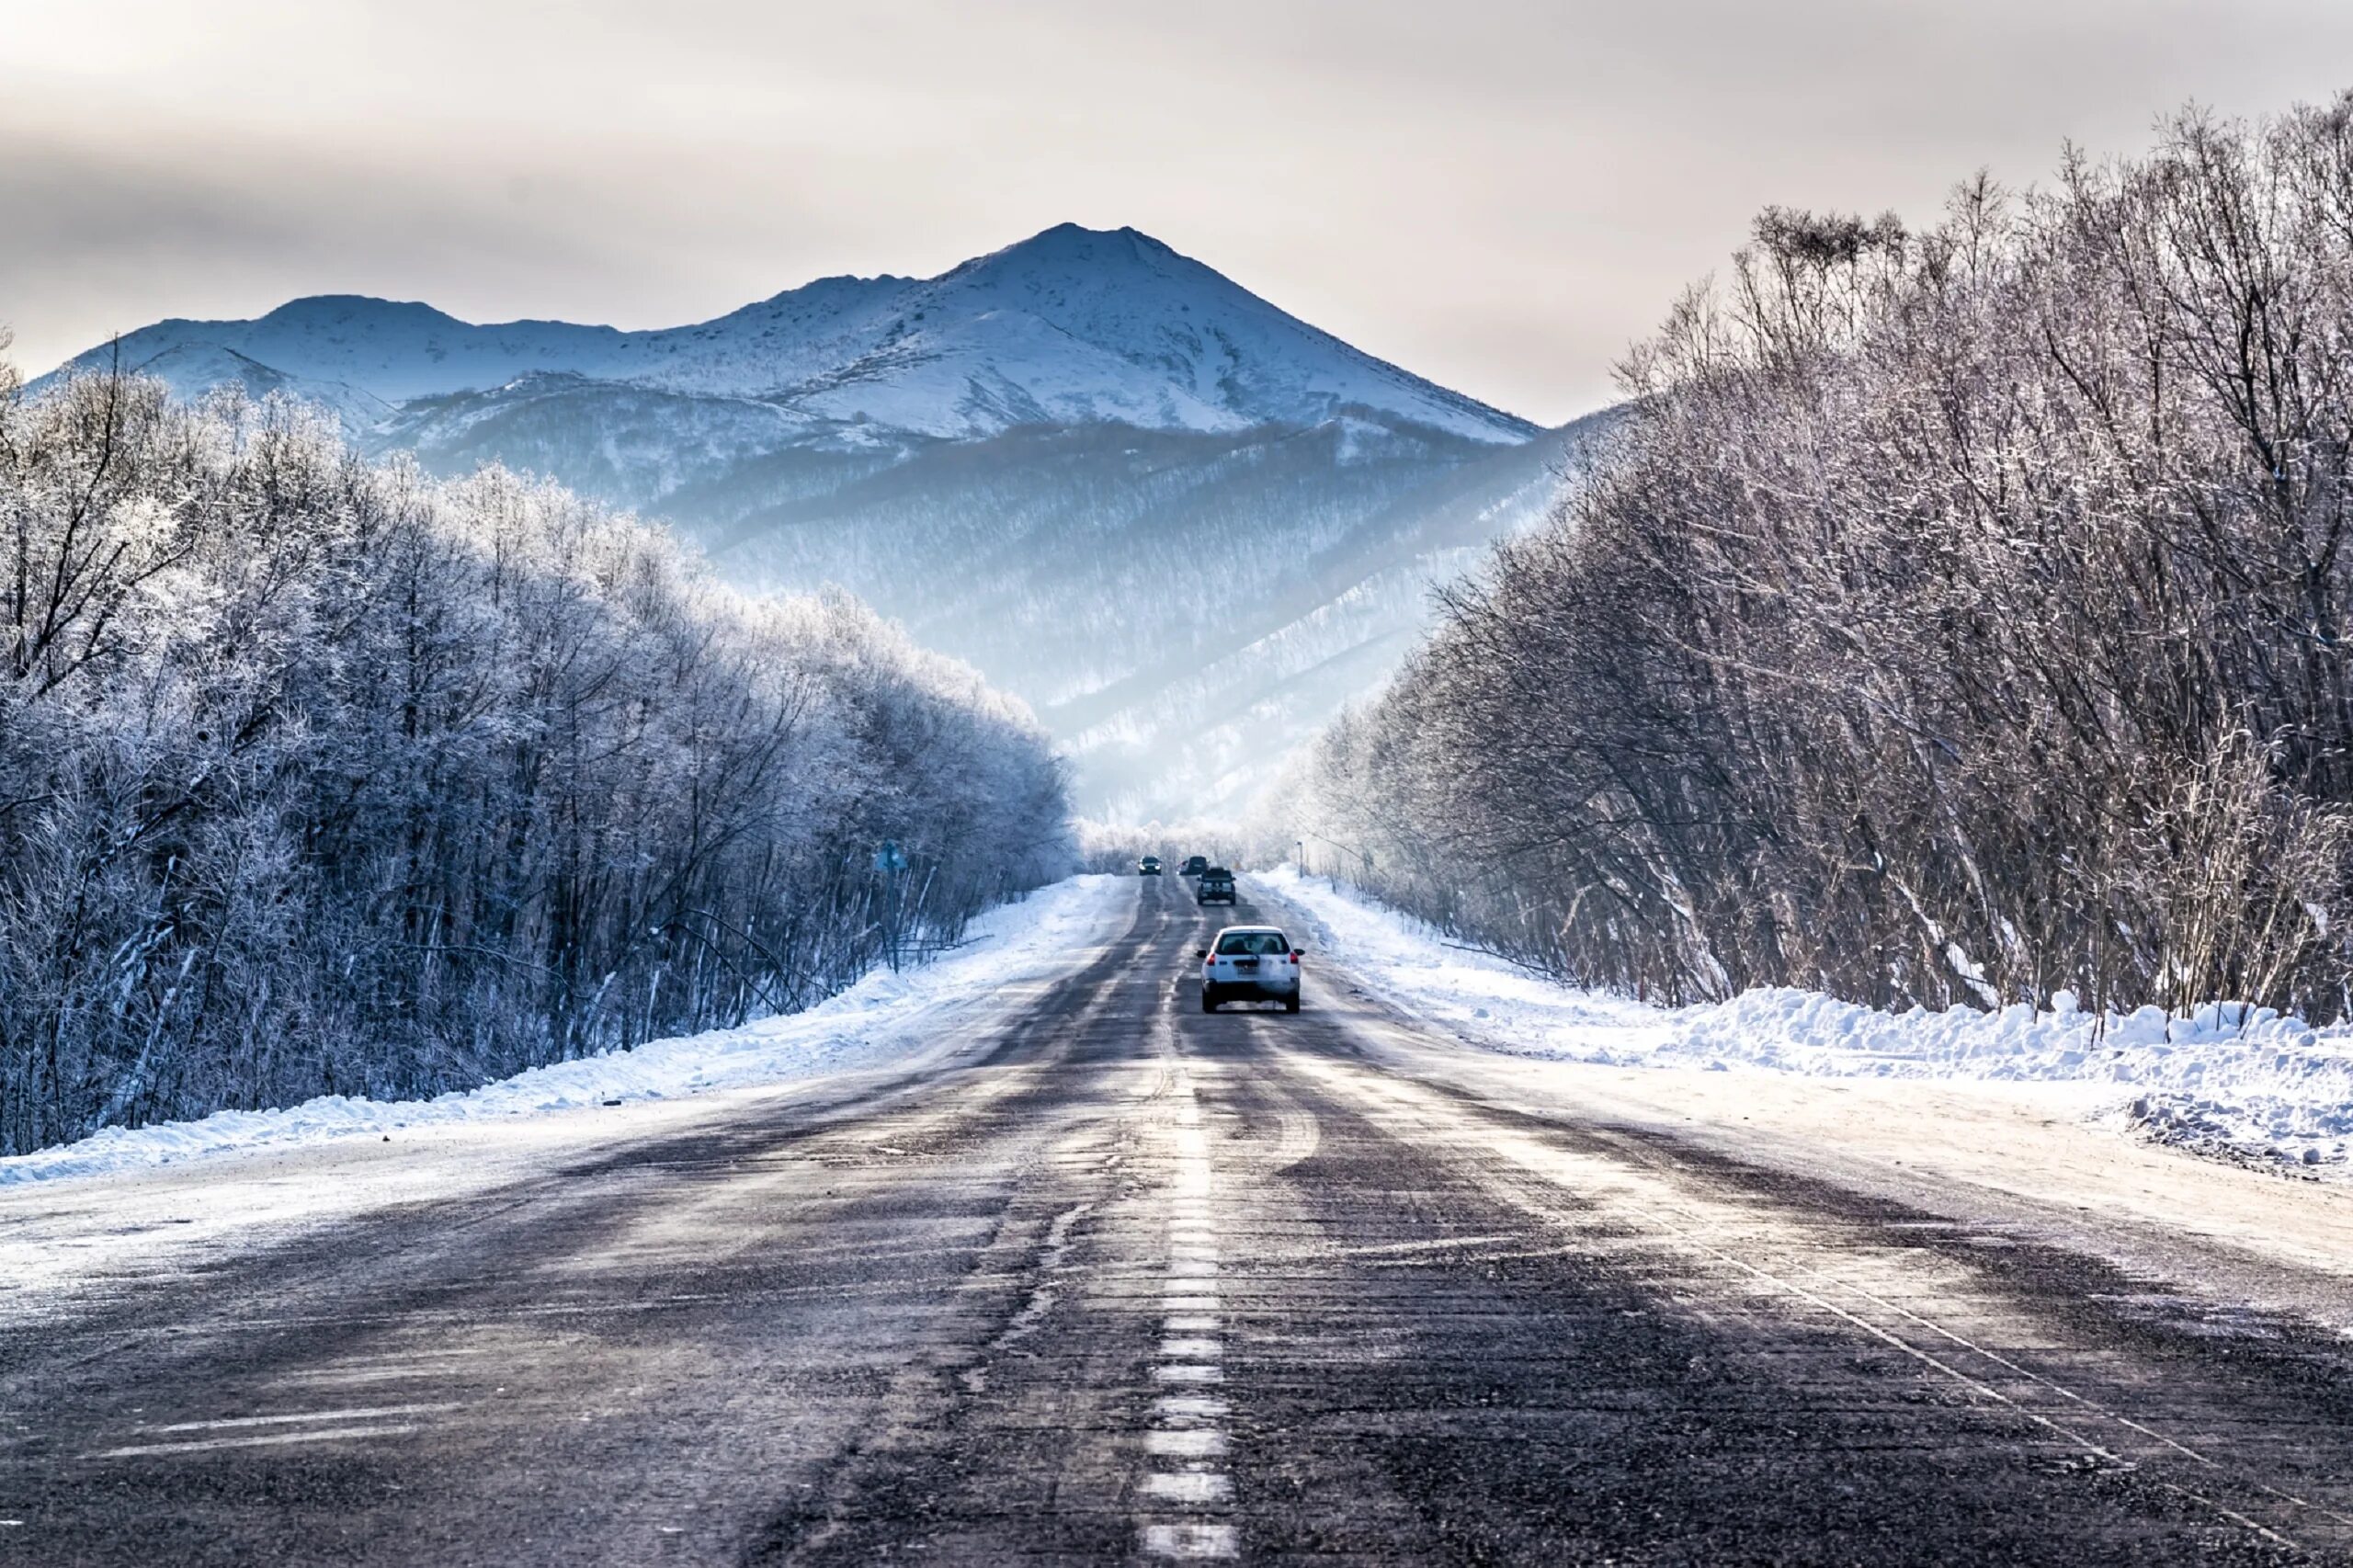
273 1439
366 1412
1187 1434
1190 1374
1199 1443
1189 1486
1189 1407
1192 1540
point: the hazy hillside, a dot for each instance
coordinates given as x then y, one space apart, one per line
1182 523
1181 609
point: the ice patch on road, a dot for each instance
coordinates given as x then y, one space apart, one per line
2245 1083
882 1017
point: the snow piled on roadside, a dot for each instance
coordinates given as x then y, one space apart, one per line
2227 1080
883 1017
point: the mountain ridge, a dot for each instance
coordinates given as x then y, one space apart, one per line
1071 326
1186 526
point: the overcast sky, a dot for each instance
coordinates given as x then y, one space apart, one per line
1497 194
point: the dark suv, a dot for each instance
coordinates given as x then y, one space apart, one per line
1216 886
1194 866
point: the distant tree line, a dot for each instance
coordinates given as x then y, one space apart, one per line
1116 847
319 776
1956 616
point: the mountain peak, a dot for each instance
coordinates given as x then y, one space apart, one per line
1079 236
1067 245
1070 326
1222 347
358 307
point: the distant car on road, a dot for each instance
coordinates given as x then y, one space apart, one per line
1148 867
1194 866
1216 886
1250 963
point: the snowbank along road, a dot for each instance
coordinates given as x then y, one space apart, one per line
1127 1282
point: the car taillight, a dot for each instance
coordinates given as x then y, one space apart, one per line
1294 958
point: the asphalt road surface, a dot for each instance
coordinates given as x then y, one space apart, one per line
1141 1284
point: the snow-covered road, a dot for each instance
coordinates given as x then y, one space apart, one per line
1073 1272
2020 1134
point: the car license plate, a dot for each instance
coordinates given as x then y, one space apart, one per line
1246 963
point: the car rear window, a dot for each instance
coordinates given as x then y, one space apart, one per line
1243 943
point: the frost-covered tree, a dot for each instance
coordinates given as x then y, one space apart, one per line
321 775
1957 615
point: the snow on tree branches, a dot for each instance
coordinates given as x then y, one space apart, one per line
319 776
1958 617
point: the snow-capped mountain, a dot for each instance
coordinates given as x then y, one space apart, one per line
1072 326
1100 470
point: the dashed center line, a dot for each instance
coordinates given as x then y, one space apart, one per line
1189 1486
1186 1440
1190 1374
1177 1407
1192 1540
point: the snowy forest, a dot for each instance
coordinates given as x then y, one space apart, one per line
1958 616
321 775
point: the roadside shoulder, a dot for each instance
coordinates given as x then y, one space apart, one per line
2047 1157
251 1179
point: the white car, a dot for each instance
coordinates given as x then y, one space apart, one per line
1250 963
